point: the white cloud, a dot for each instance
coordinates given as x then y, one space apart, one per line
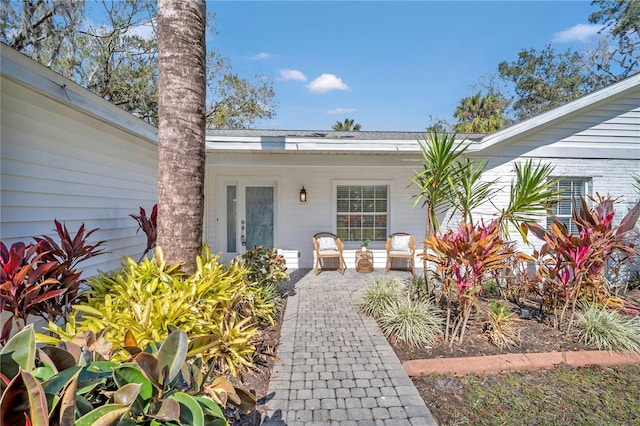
580 32
144 31
292 75
326 83
340 111
261 56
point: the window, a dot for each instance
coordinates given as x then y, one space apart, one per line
572 188
362 212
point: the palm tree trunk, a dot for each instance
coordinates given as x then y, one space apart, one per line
181 130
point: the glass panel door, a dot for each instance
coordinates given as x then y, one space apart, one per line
259 216
232 209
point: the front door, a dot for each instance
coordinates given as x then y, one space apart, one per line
249 217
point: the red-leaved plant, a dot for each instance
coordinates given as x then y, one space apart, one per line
571 268
149 226
465 258
41 278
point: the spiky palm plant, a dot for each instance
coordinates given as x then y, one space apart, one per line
530 195
470 191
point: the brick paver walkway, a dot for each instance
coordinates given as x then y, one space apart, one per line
334 365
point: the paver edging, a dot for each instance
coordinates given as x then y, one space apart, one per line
518 361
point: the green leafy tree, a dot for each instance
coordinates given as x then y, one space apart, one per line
621 19
348 125
544 80
437 125
480 113
181 131
41 29
115 55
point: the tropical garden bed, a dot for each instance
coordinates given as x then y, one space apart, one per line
149 343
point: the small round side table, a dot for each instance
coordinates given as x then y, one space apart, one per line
364 261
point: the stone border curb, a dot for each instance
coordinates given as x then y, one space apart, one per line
513 362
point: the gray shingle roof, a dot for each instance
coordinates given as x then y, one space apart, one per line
327 134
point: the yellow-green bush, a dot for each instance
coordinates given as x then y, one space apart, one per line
150 299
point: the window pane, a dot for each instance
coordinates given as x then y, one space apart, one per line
343 206
572 189
381 192
381 206
362 212
368 206
343 192
368 192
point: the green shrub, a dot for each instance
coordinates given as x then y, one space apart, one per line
264 266
414 322
379 295
606 329
499 328
267 302
150 299
417 289
77 383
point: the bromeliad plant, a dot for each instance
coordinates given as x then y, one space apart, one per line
42 278
499 328
150 298
465 258
571 268
75 384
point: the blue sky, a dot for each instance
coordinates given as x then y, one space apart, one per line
388 65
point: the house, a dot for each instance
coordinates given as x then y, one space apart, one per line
69 155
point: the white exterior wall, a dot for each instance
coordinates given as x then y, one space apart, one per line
60 161
297 222
600 143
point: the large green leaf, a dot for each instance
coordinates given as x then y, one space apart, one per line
190 411
131 373
19 352
83 405
171 356
64 409
169 411
107 415
127 394
43 373
24 395
56 357
61 380
149 365
210 408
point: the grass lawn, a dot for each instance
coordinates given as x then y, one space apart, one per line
562 396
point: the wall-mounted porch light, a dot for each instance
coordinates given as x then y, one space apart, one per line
303 195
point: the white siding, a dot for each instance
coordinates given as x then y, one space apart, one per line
608 178
607 130
58 162
297 222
